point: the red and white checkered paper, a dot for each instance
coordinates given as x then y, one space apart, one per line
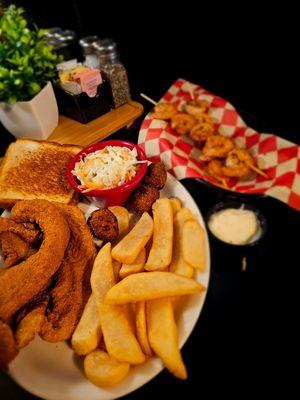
279 158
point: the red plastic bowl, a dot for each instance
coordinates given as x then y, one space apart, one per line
108 197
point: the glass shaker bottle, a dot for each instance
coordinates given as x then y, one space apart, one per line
90 58
113 70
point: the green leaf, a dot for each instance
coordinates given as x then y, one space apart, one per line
26 61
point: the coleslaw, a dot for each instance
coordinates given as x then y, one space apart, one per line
107 168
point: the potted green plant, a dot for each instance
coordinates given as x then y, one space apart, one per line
28 106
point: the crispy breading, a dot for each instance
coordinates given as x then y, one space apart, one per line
104 224
30 319
71 282
156 175
8 347
21 283
14 249
8 225
143 197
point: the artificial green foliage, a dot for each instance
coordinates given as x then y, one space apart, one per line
26 61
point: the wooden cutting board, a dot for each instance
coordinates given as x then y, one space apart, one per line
69 131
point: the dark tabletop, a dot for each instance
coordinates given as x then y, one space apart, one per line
241 336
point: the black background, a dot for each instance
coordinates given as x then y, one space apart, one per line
246 337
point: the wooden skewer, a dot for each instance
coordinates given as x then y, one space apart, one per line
149 99
190 90
224 183
258 171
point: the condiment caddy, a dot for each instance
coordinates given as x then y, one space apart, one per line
89 90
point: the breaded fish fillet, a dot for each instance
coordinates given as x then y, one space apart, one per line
71 282
14 249
9 225
30 319
22 282
8 346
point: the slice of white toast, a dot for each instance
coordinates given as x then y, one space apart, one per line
34 169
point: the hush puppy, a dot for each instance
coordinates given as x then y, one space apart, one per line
156 175
104 224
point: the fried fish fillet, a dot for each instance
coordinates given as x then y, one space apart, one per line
8 346
23 282
14 249
9 225
71 282
30 319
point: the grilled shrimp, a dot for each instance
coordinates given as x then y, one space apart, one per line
215 169
202 131
216 146
164 111
183 123
196 107
238 163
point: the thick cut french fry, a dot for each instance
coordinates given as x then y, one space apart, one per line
151 285
141 327
122 215
119 338
178 264
87 334
163 336
193 244
176 205
181 267
102 277
116 265
129 247
135 267
103 370
160 254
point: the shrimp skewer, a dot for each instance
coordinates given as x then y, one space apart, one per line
183 123
216 146
196 107
215 170
164 111
239 162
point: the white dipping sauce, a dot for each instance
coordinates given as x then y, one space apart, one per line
234 226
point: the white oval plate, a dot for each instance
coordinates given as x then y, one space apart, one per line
51 371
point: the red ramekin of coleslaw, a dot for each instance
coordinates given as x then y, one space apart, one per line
107 172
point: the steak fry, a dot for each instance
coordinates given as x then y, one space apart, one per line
71 283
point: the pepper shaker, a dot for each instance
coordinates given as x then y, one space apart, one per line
113 70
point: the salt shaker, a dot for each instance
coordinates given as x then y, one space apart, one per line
113 70
91 60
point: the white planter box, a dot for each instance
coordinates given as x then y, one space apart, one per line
34 119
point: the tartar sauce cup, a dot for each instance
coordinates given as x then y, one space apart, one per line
235 258
108 197
261 221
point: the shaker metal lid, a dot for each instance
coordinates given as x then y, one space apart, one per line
87 41
52 31
105 45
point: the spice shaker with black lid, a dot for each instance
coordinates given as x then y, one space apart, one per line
90 58
113 70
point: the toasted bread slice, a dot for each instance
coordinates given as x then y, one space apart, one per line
34 169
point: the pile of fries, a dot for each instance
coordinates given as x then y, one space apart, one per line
136 283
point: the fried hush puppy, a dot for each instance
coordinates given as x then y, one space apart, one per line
156 175
104 224
143 198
